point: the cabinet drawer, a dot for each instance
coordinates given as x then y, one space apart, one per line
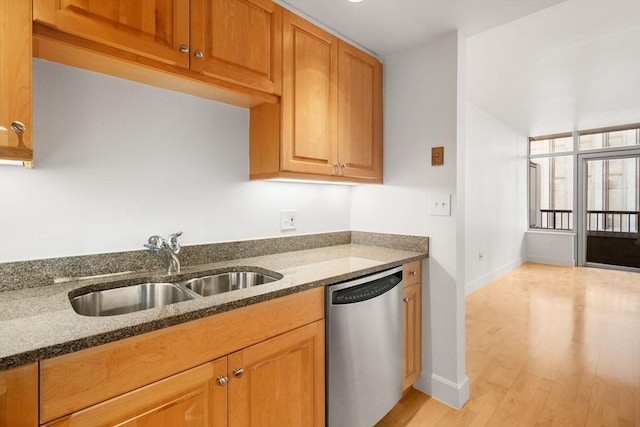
78 380
412 273
192 398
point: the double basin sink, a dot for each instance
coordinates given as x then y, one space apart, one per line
142 296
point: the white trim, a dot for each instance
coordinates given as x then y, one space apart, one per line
444 390
491 276
563 262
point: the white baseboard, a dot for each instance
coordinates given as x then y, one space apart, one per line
447 392
491 276
564 262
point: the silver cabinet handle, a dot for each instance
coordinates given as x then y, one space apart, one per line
343 165
19 128
184 48
406 300
413 273
238 372
222 380
199 54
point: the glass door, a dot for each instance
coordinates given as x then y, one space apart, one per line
610 209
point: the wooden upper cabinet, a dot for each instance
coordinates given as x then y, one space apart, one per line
15 80
359 113
153 29
328 125
281 382
309 96
238 40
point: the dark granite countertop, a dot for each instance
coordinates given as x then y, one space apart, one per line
38 322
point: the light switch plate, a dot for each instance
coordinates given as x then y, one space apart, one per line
440 204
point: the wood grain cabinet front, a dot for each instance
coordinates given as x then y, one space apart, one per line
156 30
412 323
238 40
15 81
328 125
359 114
279 382
194 398
233 40
19 396
276 383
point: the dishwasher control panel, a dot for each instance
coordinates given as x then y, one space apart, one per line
366 291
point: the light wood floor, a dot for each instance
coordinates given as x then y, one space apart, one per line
547 346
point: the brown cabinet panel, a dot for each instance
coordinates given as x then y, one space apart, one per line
15 80
412 273
153 29
330 112
359 113
309 93
282 383
412 339
19 396
193 398
239 40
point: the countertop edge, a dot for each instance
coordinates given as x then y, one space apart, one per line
50 351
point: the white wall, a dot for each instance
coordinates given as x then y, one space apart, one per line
421 111
548 247
496 197
117 161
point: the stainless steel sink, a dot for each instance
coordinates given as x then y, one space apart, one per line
128 299
225 282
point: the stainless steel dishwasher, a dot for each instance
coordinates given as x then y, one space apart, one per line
364 348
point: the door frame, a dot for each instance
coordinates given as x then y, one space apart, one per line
581 223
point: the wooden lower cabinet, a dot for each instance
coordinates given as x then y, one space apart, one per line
279 382
412 328
193 398
19 396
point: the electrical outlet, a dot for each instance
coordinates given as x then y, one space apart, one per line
288 220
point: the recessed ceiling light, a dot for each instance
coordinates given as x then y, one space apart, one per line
355 1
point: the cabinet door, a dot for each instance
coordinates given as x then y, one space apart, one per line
19 395
359 113
194 398
309 98
153 29
238 40
282 381
412 341
15 80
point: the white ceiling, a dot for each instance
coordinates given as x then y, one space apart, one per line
539 66
386 26
573 66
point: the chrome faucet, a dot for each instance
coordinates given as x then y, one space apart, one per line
171 247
